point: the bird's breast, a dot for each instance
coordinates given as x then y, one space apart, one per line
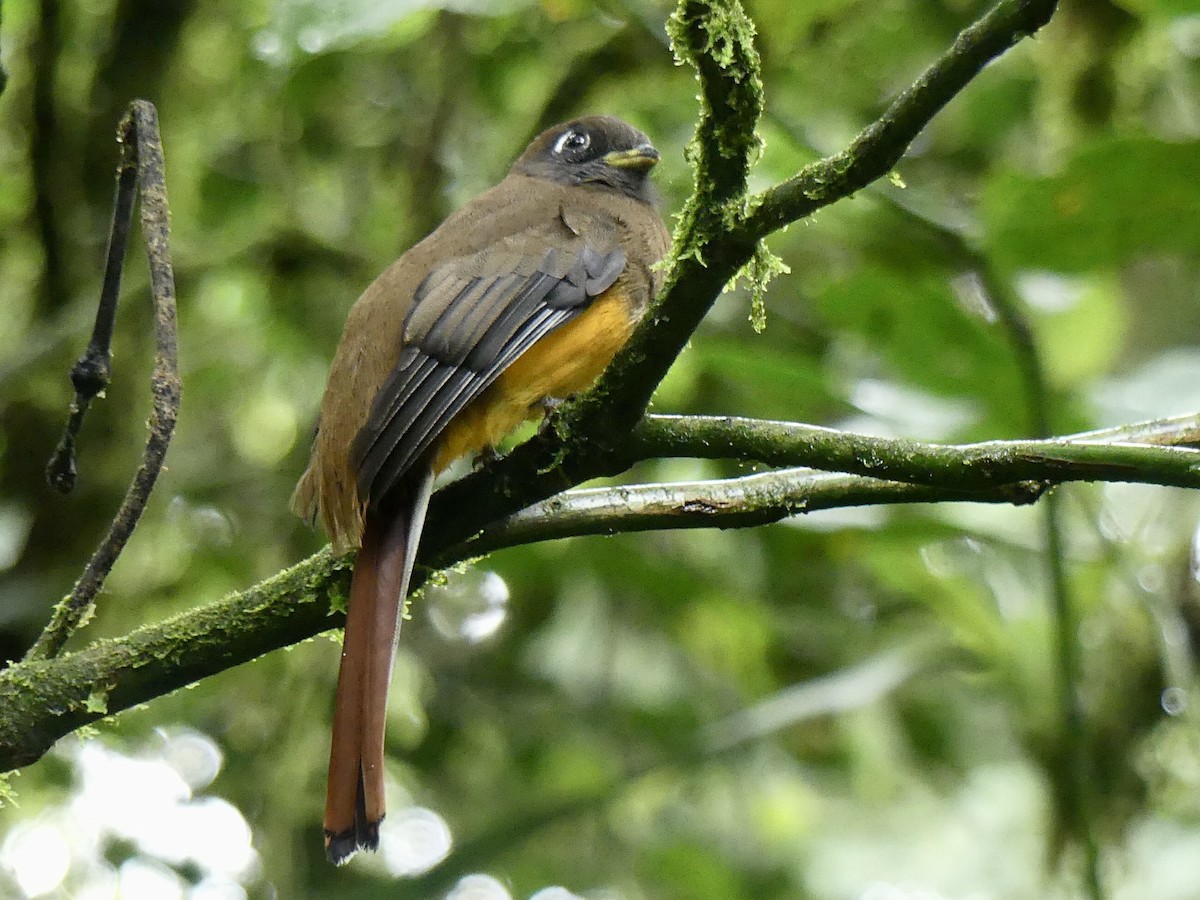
564 362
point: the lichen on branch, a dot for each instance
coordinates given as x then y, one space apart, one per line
718 233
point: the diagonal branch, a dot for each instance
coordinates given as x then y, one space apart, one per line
716 38
880 146
43 699
720 227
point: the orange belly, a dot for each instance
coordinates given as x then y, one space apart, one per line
564 362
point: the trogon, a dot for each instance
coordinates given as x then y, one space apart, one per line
521 296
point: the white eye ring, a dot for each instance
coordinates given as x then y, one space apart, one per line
570 136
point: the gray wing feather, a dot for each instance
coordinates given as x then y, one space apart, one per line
462 331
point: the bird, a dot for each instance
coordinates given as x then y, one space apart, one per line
518 299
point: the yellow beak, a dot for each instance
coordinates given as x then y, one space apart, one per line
643 156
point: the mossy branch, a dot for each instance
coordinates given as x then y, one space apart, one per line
955 467
716 38
718 234
881 145
42 700
721 227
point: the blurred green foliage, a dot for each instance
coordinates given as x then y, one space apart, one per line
566 740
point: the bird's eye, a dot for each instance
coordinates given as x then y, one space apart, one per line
572 140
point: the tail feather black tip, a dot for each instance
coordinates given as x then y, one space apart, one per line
341 846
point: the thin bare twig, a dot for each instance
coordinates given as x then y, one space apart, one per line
141 166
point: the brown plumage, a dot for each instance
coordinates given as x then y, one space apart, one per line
523 294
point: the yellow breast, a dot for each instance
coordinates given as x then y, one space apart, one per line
564 362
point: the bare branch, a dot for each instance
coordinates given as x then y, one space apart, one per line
141 154
744 502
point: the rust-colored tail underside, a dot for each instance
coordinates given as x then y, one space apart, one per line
354 803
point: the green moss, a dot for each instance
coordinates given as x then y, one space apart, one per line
705 35
758 272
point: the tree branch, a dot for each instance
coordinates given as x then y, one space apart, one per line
42 700
880 146
718 234
142 166
743 502
962 467
715 238
716 38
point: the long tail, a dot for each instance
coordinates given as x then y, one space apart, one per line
354 802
